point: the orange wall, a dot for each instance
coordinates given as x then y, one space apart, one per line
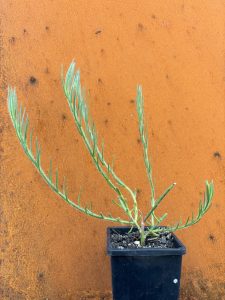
175 49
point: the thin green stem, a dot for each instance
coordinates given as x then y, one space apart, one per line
144 140
158 201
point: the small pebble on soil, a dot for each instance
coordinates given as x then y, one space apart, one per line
131 240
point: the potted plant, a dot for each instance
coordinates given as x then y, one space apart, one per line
145 256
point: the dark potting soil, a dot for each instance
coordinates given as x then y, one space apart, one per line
131 240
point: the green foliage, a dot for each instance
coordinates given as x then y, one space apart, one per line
87 130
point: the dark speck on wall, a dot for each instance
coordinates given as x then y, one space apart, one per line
12 40
138 140
64 117
217 154
108 103
33 80
153 16
99 80
46 28
24 31
98 32
140 26
106 121
132 101
40 276
138 191
211 237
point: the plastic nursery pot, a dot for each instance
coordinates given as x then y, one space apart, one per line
145 273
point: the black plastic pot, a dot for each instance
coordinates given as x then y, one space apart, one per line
145 273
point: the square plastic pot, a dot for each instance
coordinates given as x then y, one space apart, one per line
145 273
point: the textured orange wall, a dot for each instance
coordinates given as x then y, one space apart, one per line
175 49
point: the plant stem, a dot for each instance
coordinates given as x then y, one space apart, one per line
142 237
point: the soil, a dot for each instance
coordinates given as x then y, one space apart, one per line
132 240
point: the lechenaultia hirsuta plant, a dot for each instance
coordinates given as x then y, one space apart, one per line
148 223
